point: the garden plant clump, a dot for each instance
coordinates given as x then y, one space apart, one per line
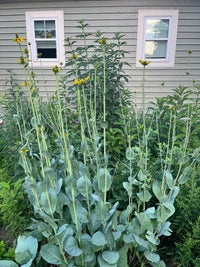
101 177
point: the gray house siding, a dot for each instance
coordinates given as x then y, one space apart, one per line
109 16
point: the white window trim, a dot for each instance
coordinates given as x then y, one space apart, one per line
172 15
58 16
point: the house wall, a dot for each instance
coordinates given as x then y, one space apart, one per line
109 16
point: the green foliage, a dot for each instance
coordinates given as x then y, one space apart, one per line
188 249
6 253
74 158
14 207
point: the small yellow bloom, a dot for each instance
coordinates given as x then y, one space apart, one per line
23 151
81 81
171 108
144 62
33 89
103 41
18 39
74 56
25 51
25 83
55 69
22 60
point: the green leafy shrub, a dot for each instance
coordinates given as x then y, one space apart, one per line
6 253
75 222
14 208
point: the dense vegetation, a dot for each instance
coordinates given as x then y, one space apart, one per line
86 179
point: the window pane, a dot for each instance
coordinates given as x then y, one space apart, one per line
39 29
155 49
50 29
46 49
44 29
157 28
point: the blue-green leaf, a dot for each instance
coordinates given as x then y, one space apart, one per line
84 186
7 263
152 257
51 254
71 246
110 256
99 239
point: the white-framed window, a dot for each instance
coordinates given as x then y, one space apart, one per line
156 38
45 33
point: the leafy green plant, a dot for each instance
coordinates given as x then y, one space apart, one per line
14 208
6 253
187 250
75 223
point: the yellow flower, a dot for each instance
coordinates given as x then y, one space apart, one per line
81 81
171 108
25 83
18 39
55 69
74 56
144 62
103 41
23 151
33 89
22 60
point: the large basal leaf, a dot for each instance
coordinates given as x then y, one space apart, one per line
103 263
129 238
6 263
48 201
71 246
22 257
164 228
127 186
141 242
122 262
158 264
81 212
49 220
130 155
157 189
112 211
110 257
144 196
185 175
152 238
26 249
173 194
103 180
152 257
84 186
51 254
99 239
87 247
164 212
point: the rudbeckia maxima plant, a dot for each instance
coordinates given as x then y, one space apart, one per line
18 39
81 81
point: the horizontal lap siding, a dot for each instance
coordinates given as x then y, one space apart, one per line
109 17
